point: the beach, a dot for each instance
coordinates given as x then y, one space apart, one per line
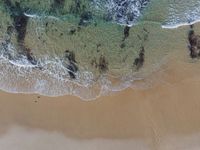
99 75
164 116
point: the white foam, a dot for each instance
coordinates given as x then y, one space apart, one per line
121 11
182 13
36 16
20 76
179 25
31 15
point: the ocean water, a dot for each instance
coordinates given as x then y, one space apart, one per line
88 48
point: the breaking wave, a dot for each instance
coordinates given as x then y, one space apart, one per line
182 13
125 12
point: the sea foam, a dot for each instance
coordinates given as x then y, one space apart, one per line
182 13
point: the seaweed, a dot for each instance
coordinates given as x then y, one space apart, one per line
20 22
80 8
194 43
76 7
125 36
98 46
70 55
57 5
30 56
139 61
85 18
94 63
122 45
72 66
72 69
126 32
10 30
103 64
72 31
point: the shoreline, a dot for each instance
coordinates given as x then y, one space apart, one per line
171 83
150 119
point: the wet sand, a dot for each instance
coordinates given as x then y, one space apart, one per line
165 116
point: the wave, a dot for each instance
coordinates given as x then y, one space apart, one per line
50 76
18 75
124 12
182 13
180 24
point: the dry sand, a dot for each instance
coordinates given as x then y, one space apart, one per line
163 117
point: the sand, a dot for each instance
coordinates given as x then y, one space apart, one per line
164 116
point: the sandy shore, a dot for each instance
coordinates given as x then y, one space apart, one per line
165 116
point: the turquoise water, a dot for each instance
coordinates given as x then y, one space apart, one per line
87 48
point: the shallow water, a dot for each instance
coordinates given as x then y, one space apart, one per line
94 31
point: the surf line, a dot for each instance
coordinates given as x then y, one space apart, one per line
180 25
